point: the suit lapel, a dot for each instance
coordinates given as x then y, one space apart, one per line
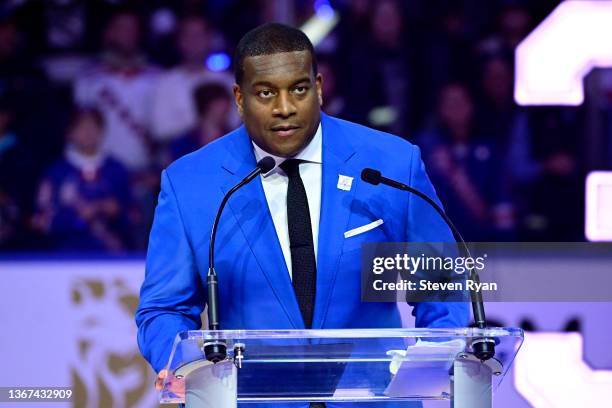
335 211
252 213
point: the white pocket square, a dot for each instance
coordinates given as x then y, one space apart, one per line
363 228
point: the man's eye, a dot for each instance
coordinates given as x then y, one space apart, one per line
266 93
300 90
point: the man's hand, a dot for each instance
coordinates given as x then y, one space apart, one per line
177 387
159 381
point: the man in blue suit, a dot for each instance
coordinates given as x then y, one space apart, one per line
288 244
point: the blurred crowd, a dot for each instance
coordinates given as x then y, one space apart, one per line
98 96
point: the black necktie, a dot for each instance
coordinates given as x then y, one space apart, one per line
303 263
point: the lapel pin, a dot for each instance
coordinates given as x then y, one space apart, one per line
345 182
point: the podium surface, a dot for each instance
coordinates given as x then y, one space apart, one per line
340 365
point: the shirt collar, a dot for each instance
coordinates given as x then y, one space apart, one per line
312 152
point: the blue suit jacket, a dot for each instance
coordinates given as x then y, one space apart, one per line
254 285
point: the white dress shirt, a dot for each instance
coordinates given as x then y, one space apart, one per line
275 184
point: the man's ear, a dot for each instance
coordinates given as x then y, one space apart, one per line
238 99
319 85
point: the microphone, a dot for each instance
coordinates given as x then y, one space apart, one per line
484 348
216 350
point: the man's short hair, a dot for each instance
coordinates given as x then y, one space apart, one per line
271 38
82 112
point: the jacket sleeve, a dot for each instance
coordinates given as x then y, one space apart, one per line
171 297
426 225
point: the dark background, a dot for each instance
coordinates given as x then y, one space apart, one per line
84 127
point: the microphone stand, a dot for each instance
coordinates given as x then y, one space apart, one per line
216 350
484 348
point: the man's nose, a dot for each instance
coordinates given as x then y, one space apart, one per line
284 105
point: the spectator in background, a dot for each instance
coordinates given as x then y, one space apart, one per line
84 197
513 25
498 115
464 167
174 111
542 161
353 27
497 107
447 51
121 87
501 121
333 102
214 106
17 73
16 183
25 85
380 84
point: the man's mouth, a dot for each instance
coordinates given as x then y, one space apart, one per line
284 130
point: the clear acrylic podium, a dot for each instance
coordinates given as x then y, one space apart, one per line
276 366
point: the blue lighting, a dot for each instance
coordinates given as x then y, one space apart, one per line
218 61
323 9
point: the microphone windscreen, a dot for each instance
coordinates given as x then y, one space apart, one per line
266 164
371 176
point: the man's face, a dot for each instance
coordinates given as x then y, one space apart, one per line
86 135
123 34
279 101
455 106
